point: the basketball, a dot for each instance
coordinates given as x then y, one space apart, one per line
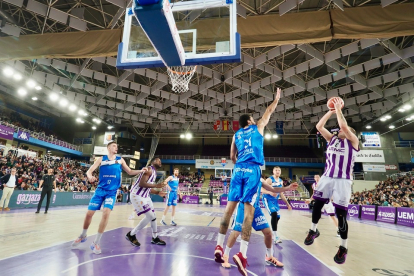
330 103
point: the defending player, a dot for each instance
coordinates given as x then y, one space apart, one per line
245 184
337 180
110 169
271 201
328 207
141 200
172 196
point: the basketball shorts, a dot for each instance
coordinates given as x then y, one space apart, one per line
101 196
272 206
141 204
329 208
259 221
245 184
337 188
172 198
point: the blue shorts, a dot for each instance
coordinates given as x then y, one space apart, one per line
259 221
272 206
100 196
172 198
245 184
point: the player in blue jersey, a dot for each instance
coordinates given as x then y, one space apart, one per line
271 201
110 172
247 154
172 196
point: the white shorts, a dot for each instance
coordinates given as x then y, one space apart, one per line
329 208
141 204
337 188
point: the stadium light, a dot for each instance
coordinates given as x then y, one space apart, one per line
408 119
368 127
38 87
383 119
391 126
34 98
31 84
17 77
407 107
8 72
21 91
268 136
72 107
110 127
401 110
182 136
188 136
93 127
388 117
53 97
63 102
78 120
275 136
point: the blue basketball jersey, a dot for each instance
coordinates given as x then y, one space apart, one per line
173 184
275 184
110 173
249 143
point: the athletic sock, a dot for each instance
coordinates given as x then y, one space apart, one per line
172 218
163 217
274 234
220 239
269 252
84 232
98 238
243 248
313 227
344 243
227 251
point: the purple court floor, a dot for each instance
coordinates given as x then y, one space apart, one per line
189 251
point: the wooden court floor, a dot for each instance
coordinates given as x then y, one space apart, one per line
374 249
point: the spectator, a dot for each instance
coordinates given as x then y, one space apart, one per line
9 182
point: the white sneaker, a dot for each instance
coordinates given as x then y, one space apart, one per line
163 222
277 240
96 248
78 241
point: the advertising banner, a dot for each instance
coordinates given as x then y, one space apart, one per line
386 214
370 156
405 216
372 140
6 132
216 164
298 205
109 137
373 168
23 135
353 210
100 150
190 199
368 212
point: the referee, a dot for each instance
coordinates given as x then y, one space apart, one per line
49 183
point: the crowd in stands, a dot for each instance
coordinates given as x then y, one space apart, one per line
398 192
70 176
15 121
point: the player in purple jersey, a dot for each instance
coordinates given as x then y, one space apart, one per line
337 180
141 200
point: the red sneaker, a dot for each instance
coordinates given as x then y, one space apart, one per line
218 254
241 263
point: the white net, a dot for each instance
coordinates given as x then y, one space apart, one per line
180 77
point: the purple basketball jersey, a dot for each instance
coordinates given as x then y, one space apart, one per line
340 158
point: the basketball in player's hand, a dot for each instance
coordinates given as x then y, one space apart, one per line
331 103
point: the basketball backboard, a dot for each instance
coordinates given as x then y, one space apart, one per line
207 29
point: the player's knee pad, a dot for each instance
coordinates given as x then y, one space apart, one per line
317 211
342 223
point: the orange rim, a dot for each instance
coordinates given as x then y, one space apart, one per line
182 73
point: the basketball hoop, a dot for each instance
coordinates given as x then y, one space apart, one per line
180 77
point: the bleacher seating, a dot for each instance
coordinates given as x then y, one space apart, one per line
169 149
216 184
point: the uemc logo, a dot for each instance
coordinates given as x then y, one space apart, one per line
368 209
406 215
386 215
300 205
353 211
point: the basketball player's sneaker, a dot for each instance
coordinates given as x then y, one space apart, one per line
241 263
337 233
218 254
226 262
173 223
78 241
340 256
163 222
158 241
273 261
96 248
132 239
277 240
311 236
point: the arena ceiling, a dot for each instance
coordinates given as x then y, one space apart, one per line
375 77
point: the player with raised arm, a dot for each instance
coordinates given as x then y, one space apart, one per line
245 183
110 172
328 207
271 201
337 180
172 196
141 200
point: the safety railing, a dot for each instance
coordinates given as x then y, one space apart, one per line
404 144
